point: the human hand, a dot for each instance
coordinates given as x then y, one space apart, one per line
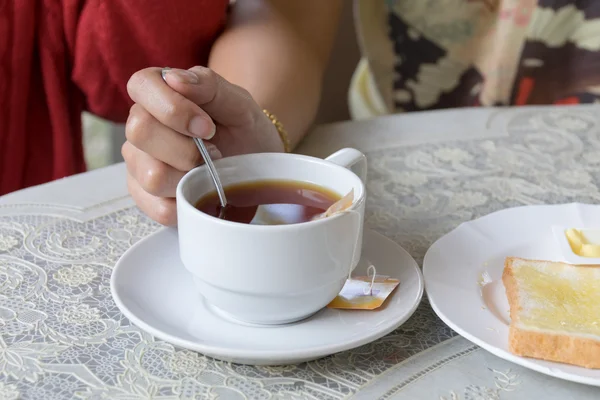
166 116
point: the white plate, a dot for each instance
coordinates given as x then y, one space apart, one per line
463 275
152 288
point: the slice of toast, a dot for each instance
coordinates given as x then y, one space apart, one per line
554 311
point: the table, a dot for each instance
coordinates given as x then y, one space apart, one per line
62 337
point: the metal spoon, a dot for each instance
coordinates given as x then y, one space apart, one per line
208 161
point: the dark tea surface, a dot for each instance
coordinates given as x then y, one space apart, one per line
269 202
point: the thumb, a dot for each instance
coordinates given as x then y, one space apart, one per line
226 103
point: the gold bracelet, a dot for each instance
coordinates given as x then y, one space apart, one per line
287 146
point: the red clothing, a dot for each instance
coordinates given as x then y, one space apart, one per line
60 57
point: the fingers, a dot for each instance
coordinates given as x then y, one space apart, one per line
152 183
161 209
147 88
163 143
225 102
153 176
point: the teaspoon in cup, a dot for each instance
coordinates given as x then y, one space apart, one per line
209 164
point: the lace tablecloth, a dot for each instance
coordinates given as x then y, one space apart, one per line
62 337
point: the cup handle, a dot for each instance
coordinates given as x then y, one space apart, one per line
352 159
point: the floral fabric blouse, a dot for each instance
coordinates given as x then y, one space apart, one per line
431 54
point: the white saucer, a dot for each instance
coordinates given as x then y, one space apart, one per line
152 288
463 275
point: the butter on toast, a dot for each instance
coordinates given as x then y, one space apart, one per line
554 311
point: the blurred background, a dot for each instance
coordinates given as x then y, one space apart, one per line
103 140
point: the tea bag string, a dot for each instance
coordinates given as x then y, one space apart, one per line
356 244
371 272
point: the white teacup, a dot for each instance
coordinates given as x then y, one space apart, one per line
272 274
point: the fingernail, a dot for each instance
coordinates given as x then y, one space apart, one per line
202 127
215 153
183 76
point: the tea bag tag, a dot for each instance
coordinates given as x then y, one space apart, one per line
339 206
365 292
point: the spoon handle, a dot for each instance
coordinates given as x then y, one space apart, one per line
206 156
212 170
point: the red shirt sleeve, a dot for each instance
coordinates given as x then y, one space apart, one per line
110 40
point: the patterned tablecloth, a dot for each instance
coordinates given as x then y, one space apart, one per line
62 337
